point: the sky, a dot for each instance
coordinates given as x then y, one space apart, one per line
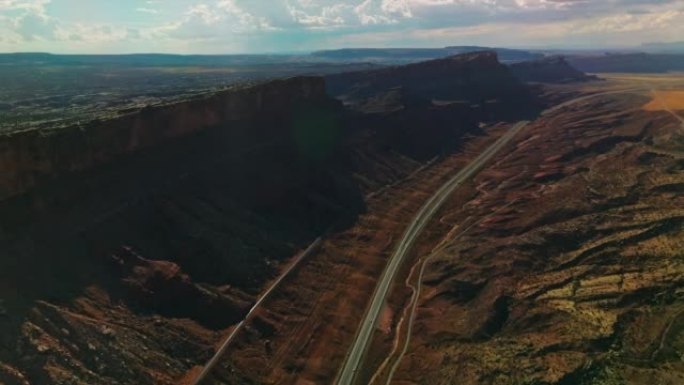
273 26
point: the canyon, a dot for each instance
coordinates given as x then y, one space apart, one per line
169 220
132 245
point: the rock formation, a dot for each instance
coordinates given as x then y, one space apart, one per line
33 156
476 79
553 69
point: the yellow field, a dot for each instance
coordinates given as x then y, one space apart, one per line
676 77
666 100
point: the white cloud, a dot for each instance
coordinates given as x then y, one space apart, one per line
147 10
258 25
621 30
29 22
397 7
34 26
26 20
33 6
633 22
307 15
246 20
211 21
91 33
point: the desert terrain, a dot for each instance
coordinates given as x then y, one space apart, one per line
559 263
237 236
133 243
562 263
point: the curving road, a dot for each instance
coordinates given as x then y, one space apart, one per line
354 359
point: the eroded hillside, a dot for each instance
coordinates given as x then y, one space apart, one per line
561 263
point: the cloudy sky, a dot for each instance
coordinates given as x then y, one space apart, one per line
251 26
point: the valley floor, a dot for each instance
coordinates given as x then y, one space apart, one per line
559 263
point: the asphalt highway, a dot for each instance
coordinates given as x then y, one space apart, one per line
354 359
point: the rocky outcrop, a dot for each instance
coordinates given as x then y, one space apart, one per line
162 287
218 176
424 109
28 158
476 79
553 69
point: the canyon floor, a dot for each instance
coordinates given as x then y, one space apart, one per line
559 263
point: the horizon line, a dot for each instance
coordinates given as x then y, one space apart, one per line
635 49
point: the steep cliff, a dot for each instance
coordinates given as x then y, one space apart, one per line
477 79
425 109
27 158
135 232
554 69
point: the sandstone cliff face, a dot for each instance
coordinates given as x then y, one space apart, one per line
27 158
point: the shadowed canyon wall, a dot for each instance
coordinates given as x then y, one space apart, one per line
28 157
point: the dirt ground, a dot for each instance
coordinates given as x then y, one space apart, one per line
666 100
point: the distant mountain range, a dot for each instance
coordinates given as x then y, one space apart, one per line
378 55
652 57
634 62
147 59
403 55
672 47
